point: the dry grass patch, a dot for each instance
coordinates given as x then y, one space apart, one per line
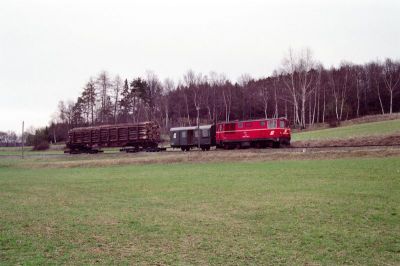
256 155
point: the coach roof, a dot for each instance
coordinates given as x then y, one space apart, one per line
190 128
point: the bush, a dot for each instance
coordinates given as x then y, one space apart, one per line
40 140
333 123
41 146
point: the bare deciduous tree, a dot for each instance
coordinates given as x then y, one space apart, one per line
339 84
391 76
298 78
375 74
117 84
168 87
227 96
104 85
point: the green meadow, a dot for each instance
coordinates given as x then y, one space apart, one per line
324 212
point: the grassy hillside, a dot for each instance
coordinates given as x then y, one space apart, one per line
357 130
325 212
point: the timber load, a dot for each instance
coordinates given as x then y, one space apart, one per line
136 137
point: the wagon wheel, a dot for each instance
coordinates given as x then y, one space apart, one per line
275 144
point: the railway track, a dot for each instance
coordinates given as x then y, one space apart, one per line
267 150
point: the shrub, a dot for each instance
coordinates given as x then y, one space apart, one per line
333 123
41 146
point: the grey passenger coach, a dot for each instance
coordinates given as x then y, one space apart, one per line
187 137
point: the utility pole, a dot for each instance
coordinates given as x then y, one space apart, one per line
22 140
198 127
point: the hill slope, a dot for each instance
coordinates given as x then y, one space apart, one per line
359 130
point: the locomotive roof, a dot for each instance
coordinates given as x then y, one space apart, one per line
254 120
190 128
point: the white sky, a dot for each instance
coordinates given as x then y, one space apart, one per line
49 49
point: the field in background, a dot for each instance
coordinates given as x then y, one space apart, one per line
369 126
54 149
350 131
293 212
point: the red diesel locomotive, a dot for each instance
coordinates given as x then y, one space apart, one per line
253 133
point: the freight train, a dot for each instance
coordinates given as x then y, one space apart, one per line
145 136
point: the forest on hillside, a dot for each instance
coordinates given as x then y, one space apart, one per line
301 89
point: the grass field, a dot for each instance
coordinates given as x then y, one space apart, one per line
352 131
280 212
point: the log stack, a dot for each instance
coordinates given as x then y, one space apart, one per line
145 134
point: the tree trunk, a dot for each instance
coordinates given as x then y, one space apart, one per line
391 102
358 97
380 99
286 113
303 109
187 109
324 106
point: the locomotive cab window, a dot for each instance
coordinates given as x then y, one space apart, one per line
282 124
272 123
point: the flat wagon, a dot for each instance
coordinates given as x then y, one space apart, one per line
131 137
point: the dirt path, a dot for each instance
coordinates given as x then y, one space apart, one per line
103 160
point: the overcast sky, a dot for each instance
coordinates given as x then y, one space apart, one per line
49 49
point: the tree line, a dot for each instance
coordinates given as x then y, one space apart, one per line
38 138
301 89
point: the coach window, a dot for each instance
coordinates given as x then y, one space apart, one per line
174 135
183 134
240 125
204 133
196 133
282 124
262 123
247 125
